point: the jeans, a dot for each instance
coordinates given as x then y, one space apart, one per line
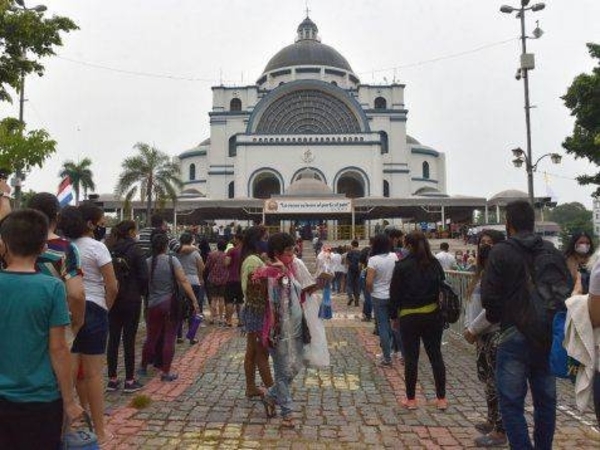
123 320
353 286
284 372
429 328
382 315
517 363
368 304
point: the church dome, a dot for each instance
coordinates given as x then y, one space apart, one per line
307 51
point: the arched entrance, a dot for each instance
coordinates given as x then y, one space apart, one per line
351 184
265 185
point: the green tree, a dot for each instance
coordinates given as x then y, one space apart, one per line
81 176
152 174
572 217
26 36
583 99
20 150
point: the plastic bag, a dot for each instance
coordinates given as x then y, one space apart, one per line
325 311
316 354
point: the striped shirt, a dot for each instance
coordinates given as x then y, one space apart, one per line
145 241
60 260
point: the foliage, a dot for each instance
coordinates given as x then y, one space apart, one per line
25 37
583 99
152 174
20 150
572 217
81 176
140 401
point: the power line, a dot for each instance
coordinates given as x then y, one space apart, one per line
212 80
135 72
442 58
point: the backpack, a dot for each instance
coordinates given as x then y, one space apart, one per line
549 284
121 264
449 303
353 258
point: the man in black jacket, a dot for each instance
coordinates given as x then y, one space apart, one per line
504 285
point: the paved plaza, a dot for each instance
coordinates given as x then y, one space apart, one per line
353 404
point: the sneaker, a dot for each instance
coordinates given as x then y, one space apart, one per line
142 372
489 440
112 386
381 361
132 386
180 340
410 403
442 404
169 377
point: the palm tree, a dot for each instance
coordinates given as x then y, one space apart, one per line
81 176
152 173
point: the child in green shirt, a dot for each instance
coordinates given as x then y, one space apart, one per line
36 384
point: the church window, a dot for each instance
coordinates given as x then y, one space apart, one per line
426 170
386 188
308 111
380 103
384 142
232 148
235 104
192 172
230 190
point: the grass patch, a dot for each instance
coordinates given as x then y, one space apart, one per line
140 401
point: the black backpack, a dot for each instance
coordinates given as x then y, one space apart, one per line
449 303
549 284
121 264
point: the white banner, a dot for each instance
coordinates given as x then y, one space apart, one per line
308 206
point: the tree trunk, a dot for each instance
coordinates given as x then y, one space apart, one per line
149 202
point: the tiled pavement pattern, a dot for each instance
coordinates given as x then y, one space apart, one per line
353 404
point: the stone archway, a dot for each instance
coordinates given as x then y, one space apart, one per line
265 185
351 184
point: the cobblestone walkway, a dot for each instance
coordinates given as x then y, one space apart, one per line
353 404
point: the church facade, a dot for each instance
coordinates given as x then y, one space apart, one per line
309 109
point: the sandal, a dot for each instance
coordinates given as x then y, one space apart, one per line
288 422
270 406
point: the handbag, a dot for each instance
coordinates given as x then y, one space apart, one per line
178 300
81 439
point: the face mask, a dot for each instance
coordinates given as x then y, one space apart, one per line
484 251
286 259
582 249
99 232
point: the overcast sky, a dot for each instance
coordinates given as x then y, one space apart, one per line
457 58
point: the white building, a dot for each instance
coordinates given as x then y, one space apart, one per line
309 109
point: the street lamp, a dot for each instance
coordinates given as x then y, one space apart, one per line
521 157
19 170
527 64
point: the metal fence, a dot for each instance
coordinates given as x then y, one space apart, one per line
460 281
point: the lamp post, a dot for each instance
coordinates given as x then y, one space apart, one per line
20 6
527 64
521 157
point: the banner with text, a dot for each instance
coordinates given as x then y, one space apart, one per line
308 206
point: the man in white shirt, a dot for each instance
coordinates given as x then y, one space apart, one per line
447 261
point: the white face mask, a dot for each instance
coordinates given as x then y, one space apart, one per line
582 249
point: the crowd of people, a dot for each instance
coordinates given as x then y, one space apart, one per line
81 295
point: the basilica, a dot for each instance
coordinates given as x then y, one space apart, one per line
308 112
